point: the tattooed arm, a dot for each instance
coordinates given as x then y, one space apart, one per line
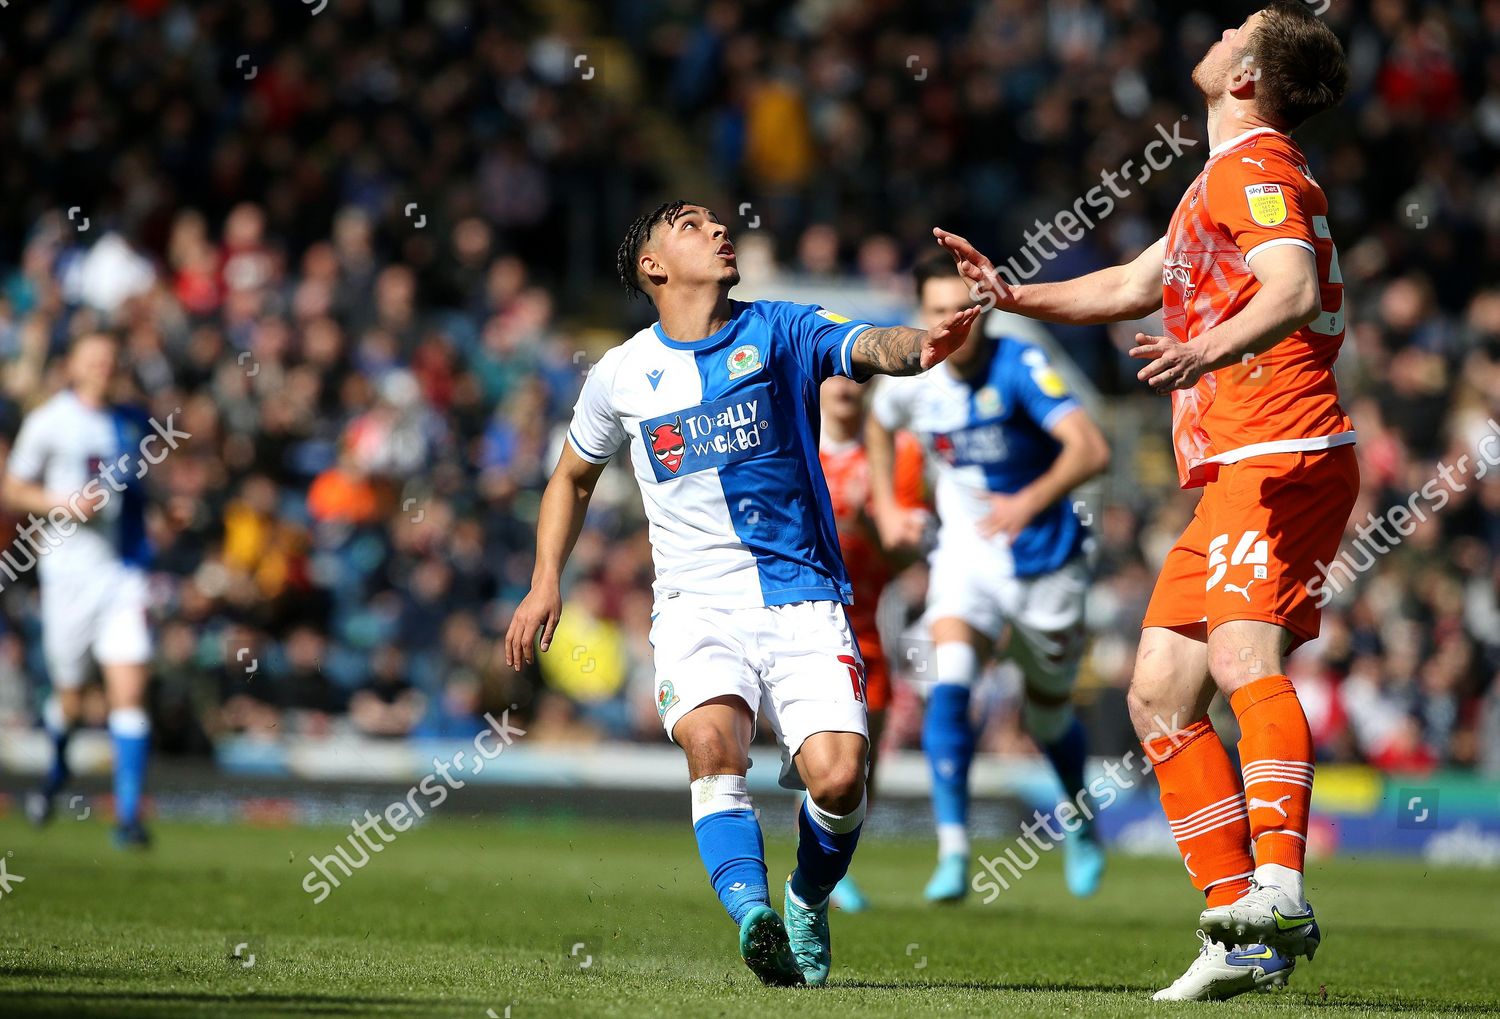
899 350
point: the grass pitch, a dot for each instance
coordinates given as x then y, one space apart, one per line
475 918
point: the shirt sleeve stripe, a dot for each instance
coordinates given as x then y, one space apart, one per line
578 448
846 351
1057 413
1276 243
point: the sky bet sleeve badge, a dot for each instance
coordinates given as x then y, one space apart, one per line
1267 204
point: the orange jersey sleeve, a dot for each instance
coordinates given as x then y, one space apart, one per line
1256 193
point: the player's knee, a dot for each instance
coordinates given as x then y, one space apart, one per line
1165 689
1152 704
839 787
1046 718
1233 665
711 752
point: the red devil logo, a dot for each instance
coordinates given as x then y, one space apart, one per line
666 444
942 445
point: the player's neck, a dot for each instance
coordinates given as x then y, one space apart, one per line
690 315
1229 118
973 371
90 399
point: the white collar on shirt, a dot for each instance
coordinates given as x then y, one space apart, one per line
1231 143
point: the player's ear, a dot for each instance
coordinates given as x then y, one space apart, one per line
1242 81
652 269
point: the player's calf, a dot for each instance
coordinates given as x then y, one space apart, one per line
714 736
832 765
948 741
730 843
59 717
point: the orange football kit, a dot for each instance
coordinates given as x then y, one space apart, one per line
847 471
1273 451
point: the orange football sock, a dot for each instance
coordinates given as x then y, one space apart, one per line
1276 753
1205 806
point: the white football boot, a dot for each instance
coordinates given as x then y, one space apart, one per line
1221 972
1267 914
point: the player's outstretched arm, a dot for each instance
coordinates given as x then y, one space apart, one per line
559 520
1084 453
1120 293
901 350
1289 298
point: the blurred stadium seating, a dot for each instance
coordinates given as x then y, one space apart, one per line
368 252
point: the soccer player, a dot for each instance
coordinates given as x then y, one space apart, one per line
1248 280
847 471
1010 442
718 403
76 465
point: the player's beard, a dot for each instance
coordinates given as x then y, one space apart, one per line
1206 81
1210 76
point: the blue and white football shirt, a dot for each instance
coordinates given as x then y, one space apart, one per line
64 445
723 437
993 437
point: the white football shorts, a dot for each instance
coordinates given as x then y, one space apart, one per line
102 614
798 664
1045 612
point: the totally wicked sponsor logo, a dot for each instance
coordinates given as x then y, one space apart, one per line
710 435
980 443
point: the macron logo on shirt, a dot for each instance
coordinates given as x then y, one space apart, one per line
715 434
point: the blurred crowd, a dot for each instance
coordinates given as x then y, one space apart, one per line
367 252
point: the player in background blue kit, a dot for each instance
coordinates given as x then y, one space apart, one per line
78 463
718 403
1010 443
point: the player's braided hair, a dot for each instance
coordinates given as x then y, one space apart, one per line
630 248
1302 65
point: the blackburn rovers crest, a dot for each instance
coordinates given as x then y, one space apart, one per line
666 696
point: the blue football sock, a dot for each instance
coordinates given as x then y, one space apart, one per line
57 772
1068 754
825 847
730 843
948 741
130 731
59 730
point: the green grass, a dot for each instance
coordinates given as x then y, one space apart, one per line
458 918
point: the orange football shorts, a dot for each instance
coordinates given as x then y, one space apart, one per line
1253 545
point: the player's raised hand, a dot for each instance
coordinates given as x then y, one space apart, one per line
985 284
539 610
1174 365
947 336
